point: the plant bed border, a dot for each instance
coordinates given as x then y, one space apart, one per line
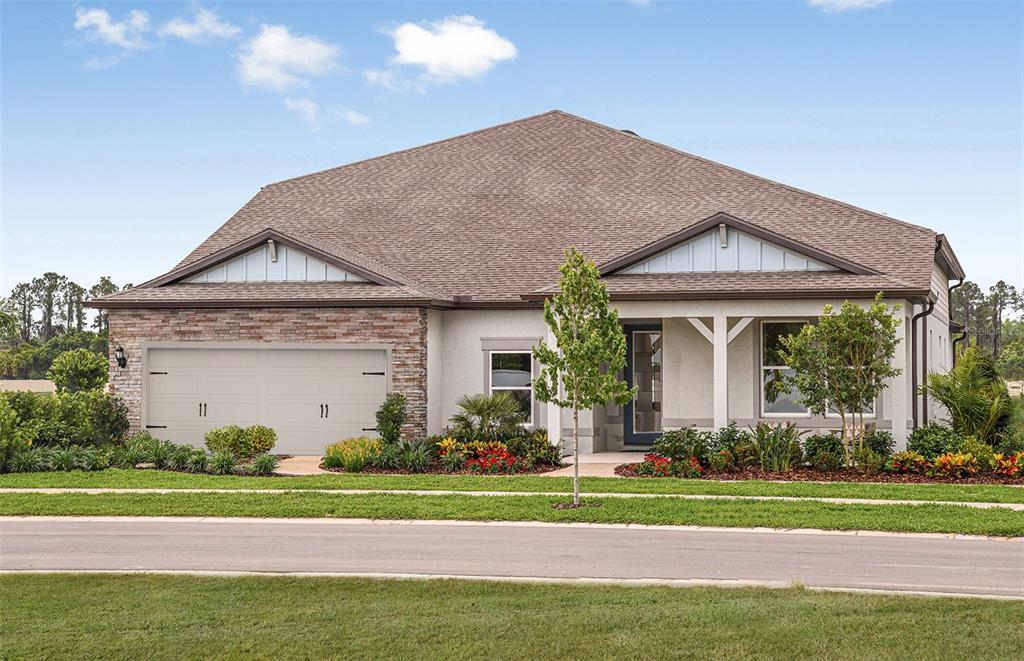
806 474
438 469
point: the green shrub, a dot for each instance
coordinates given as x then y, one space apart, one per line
729 438
746 454
197 461
26 405
983 453
388 457
867 460
64 459
494 417
681 444
243 443
30 460
453 461
179 457
933 440
536 448
83 418
94 459
414 456
722 461
910 462
390 417
880 442
223 463
824 451
975 396
106 417
161 454
264 464
77 370
352 454
778 446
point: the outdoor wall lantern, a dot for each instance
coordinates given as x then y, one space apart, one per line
122 362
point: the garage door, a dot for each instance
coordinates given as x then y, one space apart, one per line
310 397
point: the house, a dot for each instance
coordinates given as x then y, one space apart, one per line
424 272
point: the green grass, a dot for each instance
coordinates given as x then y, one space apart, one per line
670 511
161 617
114 478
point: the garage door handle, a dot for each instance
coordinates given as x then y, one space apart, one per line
156 426
373 373
158 372
321 410
369 429
327 410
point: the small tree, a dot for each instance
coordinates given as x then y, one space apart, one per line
591 349
390 418
78 369
842 361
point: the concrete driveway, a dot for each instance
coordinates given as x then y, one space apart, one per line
921 563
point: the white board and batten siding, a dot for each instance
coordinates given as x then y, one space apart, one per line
741 252
291 265
310 397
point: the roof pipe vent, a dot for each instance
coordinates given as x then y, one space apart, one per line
630 132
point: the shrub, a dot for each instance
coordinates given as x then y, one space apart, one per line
83 418
824 451
681 444
1008 465
222 463
93 459
729 438
414 456
161 454
77 370
264 464
880 442
867 460
975 396
955 464
982 453
52 433
933 439
746 454
197 461
352 454
180 456
64 459
655 465
910 462
778 446
487 417
30 460
494 460
480 448
242 443
390 417
453 460
536 448
722 461
388 457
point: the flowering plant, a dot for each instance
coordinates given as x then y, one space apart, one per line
494 460
1008 465
656 465
955 464
910 462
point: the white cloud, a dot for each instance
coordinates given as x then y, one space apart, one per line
452 48
205 25
277 59
833 6
307 109
383 77
351 116
127 34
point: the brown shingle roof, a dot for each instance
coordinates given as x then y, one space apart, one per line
486 215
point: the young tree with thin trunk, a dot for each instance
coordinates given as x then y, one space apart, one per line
842 361
581 371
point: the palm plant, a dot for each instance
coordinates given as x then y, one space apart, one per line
492 417
974 394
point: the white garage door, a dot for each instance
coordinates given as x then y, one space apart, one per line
310 397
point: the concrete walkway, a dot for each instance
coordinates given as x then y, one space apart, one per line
597 464
295 466
1017 507
518 551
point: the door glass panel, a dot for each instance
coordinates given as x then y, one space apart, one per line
647 379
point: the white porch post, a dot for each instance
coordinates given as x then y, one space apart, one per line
553 412
898 386
721 371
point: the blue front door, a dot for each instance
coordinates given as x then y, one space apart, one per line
643 370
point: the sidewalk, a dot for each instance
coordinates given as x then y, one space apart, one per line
598 464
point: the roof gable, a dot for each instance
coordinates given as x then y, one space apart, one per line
271 262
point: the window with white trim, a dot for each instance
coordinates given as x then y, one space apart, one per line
512 372
776 399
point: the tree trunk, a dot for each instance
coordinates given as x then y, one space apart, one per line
575 457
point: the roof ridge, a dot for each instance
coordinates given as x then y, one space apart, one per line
737 170
426 145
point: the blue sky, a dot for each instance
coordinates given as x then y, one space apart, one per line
131 137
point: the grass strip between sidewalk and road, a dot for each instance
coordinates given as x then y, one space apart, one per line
724 513
164 617
153 479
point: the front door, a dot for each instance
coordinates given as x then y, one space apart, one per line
643 370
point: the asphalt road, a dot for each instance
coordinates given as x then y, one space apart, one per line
885 562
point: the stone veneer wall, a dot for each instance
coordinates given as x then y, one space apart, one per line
404 327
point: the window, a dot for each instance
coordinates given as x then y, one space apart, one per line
512 372
775 398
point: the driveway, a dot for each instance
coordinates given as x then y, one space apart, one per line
876 561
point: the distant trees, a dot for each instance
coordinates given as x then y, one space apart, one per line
45 317
987 318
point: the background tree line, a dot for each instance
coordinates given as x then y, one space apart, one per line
45 317
990 325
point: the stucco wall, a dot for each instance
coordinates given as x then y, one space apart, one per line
405 329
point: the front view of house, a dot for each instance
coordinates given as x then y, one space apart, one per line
424 272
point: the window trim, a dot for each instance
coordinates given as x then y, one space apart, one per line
491 388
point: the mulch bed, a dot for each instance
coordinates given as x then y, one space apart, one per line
806 474
437 469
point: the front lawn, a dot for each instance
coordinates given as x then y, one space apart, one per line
161 617
153 479
667 511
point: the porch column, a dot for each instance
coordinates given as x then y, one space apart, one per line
720 342
553 413
899 386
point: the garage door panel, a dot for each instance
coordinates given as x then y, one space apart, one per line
280 388
187 434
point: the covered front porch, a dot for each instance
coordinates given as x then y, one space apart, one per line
711 363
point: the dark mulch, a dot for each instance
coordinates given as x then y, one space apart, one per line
438 469
807 474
